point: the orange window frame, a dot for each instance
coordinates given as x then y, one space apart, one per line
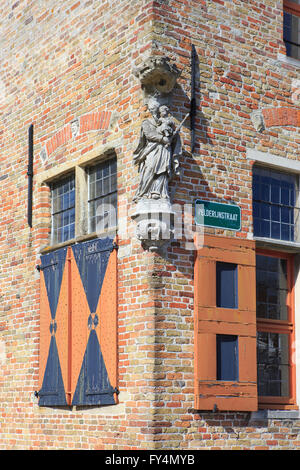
282 327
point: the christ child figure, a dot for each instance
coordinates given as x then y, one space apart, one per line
166 125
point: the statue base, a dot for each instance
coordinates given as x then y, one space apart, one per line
155 223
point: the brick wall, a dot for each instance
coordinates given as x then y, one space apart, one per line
75 60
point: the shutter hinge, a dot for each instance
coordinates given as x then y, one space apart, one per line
39 267
115 246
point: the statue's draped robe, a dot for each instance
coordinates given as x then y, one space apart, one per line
157 162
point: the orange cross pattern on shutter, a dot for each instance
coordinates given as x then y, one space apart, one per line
77 344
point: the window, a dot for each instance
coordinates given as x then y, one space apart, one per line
244 306
275 211
291 27
78 288
275 217
63 210
102 201
275 328
84 203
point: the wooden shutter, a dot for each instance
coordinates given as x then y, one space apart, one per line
94 305
53 329
78 351
213 325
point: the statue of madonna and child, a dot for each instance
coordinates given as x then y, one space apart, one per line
157 154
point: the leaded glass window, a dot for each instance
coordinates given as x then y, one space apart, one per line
275 326
275 211
102 202
63 210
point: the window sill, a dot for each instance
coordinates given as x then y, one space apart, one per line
292 247
80 238
288 60
263 415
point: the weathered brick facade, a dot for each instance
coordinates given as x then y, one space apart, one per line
74 60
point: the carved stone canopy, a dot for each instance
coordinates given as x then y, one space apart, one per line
157 75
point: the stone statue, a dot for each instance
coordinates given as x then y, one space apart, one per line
157 154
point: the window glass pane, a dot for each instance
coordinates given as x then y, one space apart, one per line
103 196
275 213
72 231
275 230
65 232
226 284
291 34
256 209
265 229
285 194
265 190
271 288
285 232
265 211
98 188
227 357
275 191
273 364
274 210
105 188
56 203
63 210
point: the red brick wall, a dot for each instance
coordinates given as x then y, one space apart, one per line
71 61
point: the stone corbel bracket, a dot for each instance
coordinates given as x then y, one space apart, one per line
155 223
158 76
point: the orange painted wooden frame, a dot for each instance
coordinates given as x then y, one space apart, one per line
285 327
291 7
210 321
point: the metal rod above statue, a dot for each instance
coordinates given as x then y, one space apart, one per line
30 175
157 155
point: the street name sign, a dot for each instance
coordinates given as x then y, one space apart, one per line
217 215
